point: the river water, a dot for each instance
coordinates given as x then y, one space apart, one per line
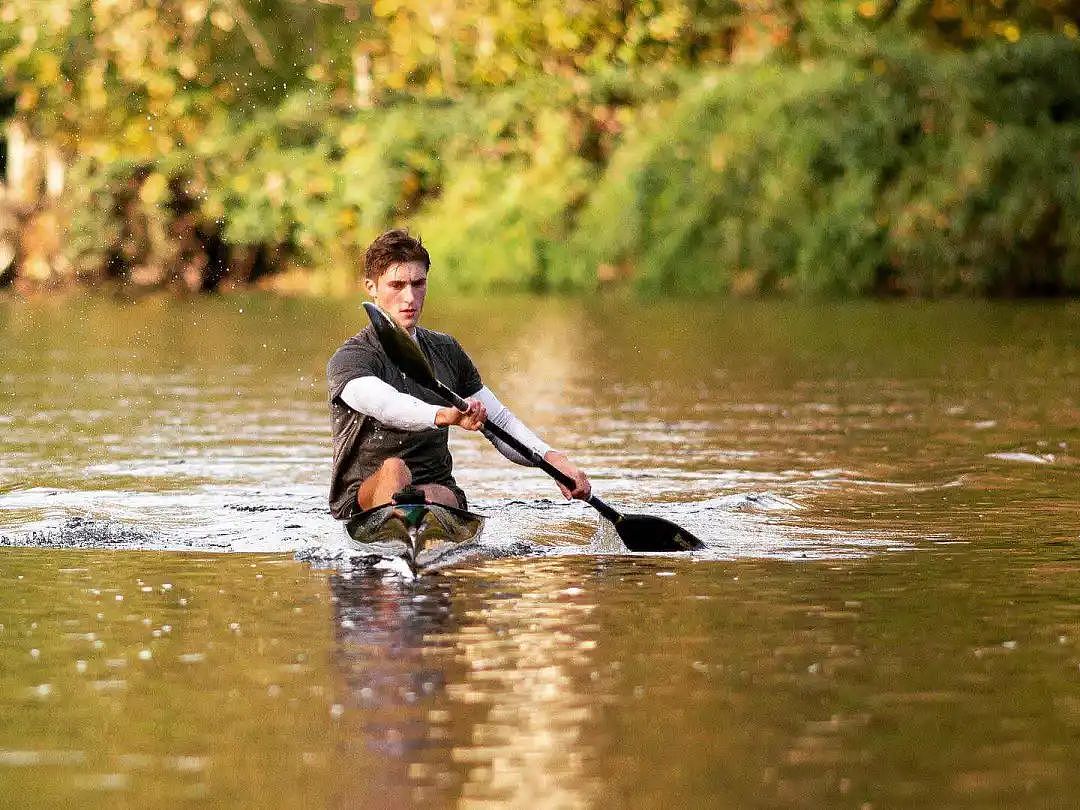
887 612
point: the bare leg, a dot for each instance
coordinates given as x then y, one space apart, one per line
437 493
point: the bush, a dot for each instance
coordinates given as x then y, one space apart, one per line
895 170
906 171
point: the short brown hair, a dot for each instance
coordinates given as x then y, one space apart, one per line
391 248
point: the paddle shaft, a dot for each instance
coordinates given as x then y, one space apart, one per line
609 512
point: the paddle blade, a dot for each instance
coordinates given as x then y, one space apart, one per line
647 533
401 348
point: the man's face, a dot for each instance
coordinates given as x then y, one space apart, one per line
400 292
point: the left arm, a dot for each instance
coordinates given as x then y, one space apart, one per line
500 415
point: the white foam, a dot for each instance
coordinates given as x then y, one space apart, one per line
1024 458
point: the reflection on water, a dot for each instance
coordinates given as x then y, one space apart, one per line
475 695
943 677
161 678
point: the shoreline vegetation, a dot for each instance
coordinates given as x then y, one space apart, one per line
908 148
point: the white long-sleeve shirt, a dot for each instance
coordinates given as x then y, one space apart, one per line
379 400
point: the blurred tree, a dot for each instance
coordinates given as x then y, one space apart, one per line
439 46
143 77
968 22
210 134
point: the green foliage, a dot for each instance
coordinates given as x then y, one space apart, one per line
491 180
765 177
441 47
504 211
920 173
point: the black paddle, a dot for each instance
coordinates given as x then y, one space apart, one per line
638 532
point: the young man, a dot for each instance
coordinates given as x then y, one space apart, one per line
390 432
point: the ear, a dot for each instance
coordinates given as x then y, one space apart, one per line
370 286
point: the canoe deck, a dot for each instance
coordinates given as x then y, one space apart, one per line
416 531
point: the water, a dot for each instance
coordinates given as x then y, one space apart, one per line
887 611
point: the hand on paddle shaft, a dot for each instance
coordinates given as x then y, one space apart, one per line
582 489
471 419
474 418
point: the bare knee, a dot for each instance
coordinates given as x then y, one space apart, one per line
395 472
437 493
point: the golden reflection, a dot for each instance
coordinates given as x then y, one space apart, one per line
523 657
480 699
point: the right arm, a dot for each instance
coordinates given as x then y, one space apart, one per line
381 401
500 415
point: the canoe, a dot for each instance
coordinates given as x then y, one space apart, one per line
418 532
